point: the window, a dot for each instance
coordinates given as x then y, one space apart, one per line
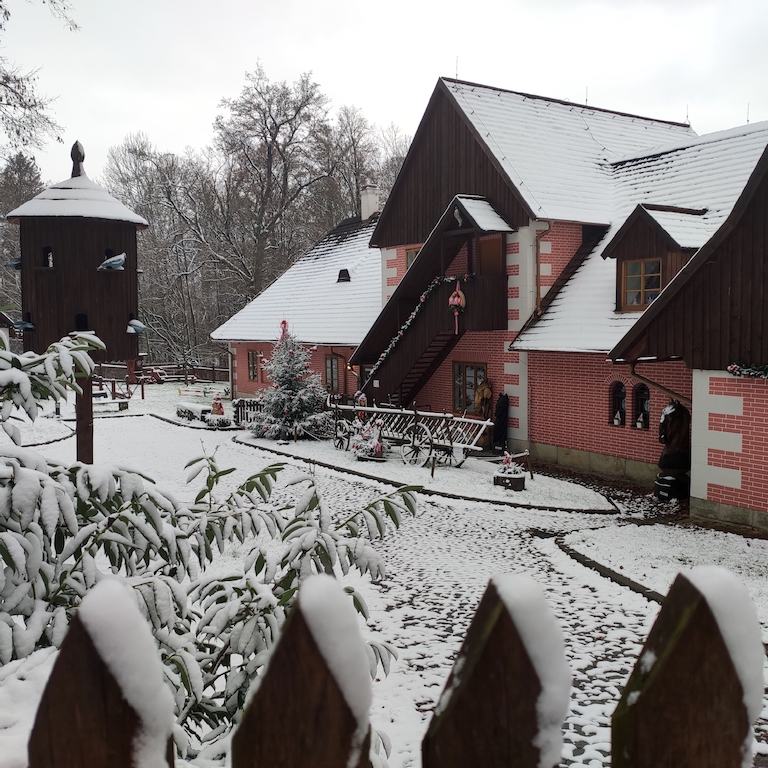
332 373
466 378
618 413
410 257
253 365
642 407
641 284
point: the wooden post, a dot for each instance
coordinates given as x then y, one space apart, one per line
683 705
84 421
487 715
83 719
298 716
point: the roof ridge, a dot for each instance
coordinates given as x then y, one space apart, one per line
565 102
725 134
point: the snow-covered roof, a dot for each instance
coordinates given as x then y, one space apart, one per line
483 214
706 173
556 153
78 197
319 309
688 230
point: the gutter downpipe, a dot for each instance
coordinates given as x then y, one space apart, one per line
658 387
537 255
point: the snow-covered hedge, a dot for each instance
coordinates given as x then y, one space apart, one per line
63 529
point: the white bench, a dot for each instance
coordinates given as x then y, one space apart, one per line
110 405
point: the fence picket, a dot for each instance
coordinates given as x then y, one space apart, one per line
298 716
683 705
487 714
83 719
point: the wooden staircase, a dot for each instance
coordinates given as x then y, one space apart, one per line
431 336
426 365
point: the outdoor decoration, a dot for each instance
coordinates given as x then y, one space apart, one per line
675 460
483 398
217 408
748 371
367 443
294 405
457 303
407 324
510 474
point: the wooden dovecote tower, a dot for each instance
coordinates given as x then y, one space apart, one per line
78 265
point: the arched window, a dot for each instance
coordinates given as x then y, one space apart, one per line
618 415
642 407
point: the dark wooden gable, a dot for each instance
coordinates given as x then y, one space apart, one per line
446 158
73 294
485 262
715 312
641 237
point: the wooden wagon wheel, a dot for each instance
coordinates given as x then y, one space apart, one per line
417 447
341 435
452 455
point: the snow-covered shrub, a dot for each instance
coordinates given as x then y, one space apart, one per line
216 421
65 528
183 411
29 378
294 405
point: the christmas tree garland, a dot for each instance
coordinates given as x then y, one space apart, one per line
438 281
748 371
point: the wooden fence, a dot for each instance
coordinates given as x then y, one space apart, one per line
172 372
683 705
245 410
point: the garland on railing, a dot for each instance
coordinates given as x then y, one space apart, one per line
748 371
436 282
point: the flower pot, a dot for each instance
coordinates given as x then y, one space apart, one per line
511 482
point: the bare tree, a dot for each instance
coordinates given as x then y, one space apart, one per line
276 139
24 113
228 220
393 147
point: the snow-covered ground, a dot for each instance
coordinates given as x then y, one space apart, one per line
438 567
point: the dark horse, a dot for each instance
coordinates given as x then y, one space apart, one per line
675 433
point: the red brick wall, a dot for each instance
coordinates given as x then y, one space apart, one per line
570 403
565 239
752 425
244 387
398 262
474 347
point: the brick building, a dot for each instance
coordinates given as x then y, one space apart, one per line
580 243
329 298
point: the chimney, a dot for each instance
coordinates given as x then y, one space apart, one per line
369 201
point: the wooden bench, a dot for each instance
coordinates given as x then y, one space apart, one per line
198 391
110 405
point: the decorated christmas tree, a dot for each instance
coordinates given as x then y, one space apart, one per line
295 404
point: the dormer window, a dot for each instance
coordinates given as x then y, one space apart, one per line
641 283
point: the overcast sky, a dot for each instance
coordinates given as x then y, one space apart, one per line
163 66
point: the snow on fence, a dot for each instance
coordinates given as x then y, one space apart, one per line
245 410
689 702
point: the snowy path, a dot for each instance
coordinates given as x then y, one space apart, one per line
438 566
